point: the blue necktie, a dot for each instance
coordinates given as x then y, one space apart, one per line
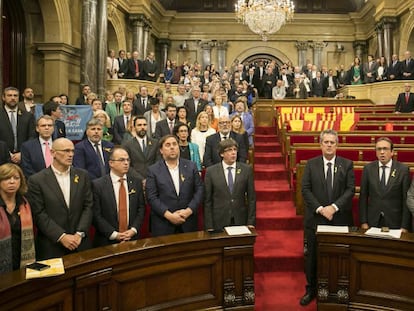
230 179
329 182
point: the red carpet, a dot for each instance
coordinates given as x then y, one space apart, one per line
279 277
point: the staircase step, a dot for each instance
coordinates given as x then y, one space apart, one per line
265 130
258 138
279 250
268 157
273 191
270 146
270 216
270 172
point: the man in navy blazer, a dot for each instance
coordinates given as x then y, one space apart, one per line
405 101
174 191
106 192
34 150
92 153
211 154
328 186
53 109
121 122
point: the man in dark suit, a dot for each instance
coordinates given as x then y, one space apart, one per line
121 122
135 67
123 64
394 69
194 106
4 153
16 126
53 109
318 85
81 100
36 152
211 154
383 194
151 69
92 153
328 186
166 126
230 198
407 66
142 150
61 200
174 191
370 70
27 104
405 101
115 218
141 104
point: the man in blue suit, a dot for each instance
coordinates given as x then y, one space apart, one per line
53 109
107 202
92 153
174 191
36 154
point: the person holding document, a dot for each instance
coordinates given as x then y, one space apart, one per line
383 194
328 186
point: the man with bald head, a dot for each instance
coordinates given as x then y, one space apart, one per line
61 201
211 154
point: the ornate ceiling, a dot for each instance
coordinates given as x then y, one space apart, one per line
302 6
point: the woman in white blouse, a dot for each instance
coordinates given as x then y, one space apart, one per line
218 108
201 131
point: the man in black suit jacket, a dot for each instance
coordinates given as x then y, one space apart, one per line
151 69
142 150
318 85
383 202
229 201
194 106
53 109
174 191
405 101
27 104
61 200
81 100
211 154
135 67
106 202
35 156
328 186
121 122
25 124
123 64
394 69
142 102
166 126
407 66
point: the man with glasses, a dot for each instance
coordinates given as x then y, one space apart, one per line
118 202
211 154
230 198
61 200
92 153
383 194
328 186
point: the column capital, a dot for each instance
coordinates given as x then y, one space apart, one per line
318 45
379 26
360 44
206 45
302 45
164 42
137 19
222 45
387 20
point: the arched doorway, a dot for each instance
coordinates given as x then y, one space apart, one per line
253 60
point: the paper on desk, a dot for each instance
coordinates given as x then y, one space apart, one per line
332 229
237 230
393 233
56 268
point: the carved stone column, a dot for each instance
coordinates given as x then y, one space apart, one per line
221 55
88 67
302 47
360 47
379 31
102 47
206 52
147 28
388 23
138 22
163 45
317 52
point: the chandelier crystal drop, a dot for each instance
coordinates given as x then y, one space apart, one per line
264 17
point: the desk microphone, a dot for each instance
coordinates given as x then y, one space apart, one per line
381 223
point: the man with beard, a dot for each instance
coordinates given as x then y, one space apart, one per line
142 149
27 104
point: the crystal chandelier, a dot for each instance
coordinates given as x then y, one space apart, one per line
264 17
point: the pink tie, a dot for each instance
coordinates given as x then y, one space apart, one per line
48 155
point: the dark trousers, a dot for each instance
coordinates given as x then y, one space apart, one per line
311 260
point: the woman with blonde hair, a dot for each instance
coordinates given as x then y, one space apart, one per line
201 131
16 221
106 121
90 97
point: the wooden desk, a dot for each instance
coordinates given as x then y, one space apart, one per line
359 272
191 271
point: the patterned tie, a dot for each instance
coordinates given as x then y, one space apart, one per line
171 127
122 207
382 181
329 182
13 123
48 154
230 179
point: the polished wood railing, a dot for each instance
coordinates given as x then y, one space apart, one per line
192 271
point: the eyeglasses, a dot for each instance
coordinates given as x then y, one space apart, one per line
379 149
121 160
65 150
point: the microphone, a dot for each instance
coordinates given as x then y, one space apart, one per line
381 223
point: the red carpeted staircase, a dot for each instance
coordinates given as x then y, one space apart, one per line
279 277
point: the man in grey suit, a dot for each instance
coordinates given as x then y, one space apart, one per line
107 202
383 194
142 150
61 201
328 186
230 197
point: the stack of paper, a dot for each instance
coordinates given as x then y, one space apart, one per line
332 229
237 230
393 233
56 268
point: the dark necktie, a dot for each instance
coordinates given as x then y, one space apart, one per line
143 146
101 161
122 207
13 123
224 137
230 178
171 126
143 103
329 182
382 181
